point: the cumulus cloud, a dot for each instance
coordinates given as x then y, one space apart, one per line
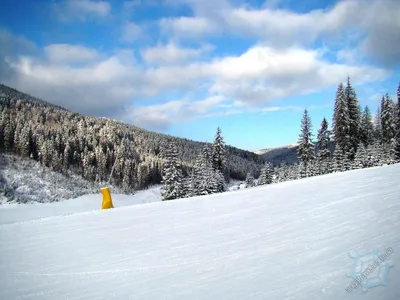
373 25
161 116
282 62
264 73
64 53
105 86
188 27
171 53
131 32
11 47
82 9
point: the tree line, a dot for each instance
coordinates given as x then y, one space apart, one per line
71 143
359 140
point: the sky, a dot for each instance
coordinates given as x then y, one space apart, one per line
185 67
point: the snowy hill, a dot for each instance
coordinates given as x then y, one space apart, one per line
283 155
286 154
284 241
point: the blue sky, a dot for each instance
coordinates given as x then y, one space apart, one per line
184 67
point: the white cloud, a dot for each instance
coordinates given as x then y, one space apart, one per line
82 9
131 32
371 26
159 117
172 54
264 73
188 27
64 53
100 8
106 85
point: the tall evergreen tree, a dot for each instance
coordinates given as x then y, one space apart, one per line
367 127
266 175
396 144
377 127
218 153
172 174
387 119
354 117
324 154
306 146
341 122
249 180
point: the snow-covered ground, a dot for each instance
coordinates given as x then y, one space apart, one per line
284 241
15 212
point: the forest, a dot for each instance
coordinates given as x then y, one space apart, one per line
71 143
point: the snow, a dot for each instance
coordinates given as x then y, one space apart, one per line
15 212
283 241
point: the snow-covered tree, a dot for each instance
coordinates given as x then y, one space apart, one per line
324 154
341 122
249 180
361 157
218 152
172 174
306 146
377 124
354 114
396 142
387 119
367 127
266 175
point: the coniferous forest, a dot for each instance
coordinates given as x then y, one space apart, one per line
106 151
69 142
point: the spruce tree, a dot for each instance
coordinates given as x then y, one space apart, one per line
341 122
361 157
306 146
324 154
377 127
218 153
367 128
266 175
249 180
172 174
396 144
387 120
354 117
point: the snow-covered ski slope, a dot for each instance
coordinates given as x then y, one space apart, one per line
17 212
284 241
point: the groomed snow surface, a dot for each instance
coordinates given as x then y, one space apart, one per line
285 241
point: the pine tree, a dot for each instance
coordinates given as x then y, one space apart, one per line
218 152
266 175
205 178
361 157
337 159
367 128
387 120
249 180
324 154
306 146
396 143
354 118
172 174
341 122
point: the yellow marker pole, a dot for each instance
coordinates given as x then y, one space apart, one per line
107 201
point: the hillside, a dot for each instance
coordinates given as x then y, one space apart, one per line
285 241
283 155
279 155
69 142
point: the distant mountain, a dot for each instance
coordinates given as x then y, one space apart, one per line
276 156
69 142
283 155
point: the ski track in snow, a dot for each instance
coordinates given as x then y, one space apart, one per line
283 241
